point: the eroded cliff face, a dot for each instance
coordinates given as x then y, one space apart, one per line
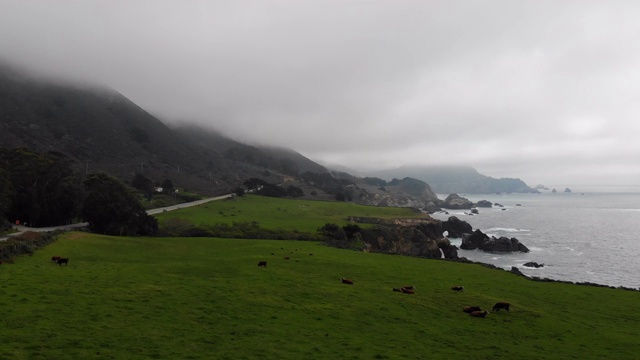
364 197
411 237
397 193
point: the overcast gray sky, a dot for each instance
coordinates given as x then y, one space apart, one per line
546 91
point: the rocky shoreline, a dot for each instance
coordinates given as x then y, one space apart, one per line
480 241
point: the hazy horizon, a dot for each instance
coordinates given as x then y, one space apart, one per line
543 91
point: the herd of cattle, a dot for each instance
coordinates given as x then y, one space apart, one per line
474 311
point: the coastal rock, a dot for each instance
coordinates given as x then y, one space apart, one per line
456 227
504 244
479 240
448 251
533 264
474 211
431 207
454 201
567 190
484 204
474 240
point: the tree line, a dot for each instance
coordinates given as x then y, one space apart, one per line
41 190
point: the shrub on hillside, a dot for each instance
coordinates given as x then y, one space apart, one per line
272 191
25 243
236 230
188 197
113 209
294 191
333 231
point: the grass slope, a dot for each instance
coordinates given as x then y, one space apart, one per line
277 213
204 298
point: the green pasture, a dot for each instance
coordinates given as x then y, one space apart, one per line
277 213
206 298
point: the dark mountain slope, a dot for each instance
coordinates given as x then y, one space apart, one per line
101 130
282 160
303 163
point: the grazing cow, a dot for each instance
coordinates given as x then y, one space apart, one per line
286 258
410 287
478 313
63 261
310 254
501 305
347 281
470 309
55 258
407 291
397 289
457 288
262 264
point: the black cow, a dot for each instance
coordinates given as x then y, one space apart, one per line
262 264
63 261
347 281
501 305
457 288
470 309
478 313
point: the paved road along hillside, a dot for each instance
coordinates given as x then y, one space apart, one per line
22 229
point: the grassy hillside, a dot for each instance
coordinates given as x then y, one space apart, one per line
205 298
278 213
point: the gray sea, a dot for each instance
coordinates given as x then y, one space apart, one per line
589 236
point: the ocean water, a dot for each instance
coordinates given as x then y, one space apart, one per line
578 236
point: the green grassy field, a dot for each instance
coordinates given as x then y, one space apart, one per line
205 298
277 213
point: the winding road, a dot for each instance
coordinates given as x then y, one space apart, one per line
22 229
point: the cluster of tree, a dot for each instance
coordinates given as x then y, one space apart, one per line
147 187
38 189
112 208
264 188
43 190
348 236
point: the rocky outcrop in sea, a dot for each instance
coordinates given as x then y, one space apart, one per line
480 240
533 264
484 204
454 201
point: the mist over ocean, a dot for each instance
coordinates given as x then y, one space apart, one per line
578 236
